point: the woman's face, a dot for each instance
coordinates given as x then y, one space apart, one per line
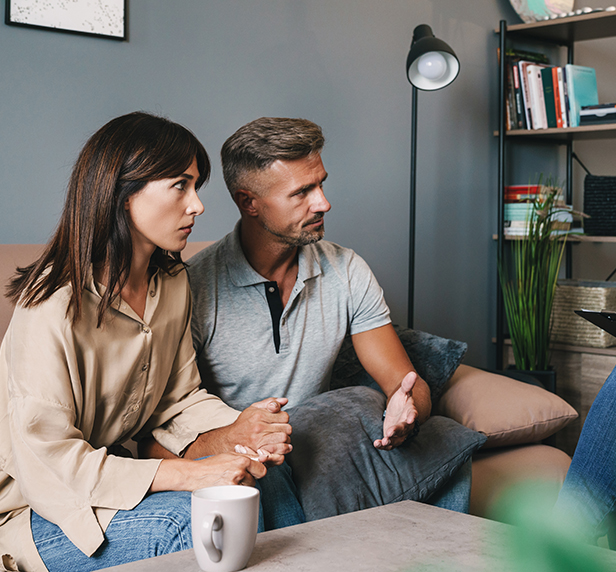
163 212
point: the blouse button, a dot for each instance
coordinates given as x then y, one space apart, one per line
145 330
272 289
152 293
144 367
135 408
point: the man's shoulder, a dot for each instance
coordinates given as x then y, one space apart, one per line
206 262
331 251
332 256
207 253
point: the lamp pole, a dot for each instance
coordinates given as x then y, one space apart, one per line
411 289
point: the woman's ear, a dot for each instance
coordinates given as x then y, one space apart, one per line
246 202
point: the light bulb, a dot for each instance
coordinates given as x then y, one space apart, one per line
432 66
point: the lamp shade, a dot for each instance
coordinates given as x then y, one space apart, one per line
431 63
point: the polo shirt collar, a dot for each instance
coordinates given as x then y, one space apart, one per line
242 274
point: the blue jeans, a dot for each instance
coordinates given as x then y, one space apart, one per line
159 524
588 495
456 493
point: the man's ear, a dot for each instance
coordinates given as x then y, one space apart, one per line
245 201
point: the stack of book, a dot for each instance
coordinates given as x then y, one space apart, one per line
519 201
540 95
518 207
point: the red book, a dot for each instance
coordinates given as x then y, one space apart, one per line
559 117
531 189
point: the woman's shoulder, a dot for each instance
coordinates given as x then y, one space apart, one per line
50 314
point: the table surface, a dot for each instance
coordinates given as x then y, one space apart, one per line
405 536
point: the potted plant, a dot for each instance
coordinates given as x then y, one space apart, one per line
528 278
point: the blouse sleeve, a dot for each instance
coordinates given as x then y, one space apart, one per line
185 411
61 476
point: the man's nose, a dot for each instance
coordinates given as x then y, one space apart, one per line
320 204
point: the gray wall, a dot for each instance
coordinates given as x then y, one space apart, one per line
214 65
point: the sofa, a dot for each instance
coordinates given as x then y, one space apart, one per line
516 417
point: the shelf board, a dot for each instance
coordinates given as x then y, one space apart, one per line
603 131
571 238
567 30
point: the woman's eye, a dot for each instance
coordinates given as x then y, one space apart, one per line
181 185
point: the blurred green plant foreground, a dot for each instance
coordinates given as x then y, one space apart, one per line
541 542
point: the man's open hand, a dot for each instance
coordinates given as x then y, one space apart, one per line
400 416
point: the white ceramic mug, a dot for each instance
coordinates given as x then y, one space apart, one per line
224 526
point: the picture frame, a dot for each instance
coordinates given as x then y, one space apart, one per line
99 18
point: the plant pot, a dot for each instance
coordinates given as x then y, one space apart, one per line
545 379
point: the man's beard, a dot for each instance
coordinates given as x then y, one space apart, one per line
303 238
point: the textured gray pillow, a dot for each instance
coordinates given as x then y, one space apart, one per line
337 469
434 358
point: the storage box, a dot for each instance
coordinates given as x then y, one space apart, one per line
568 327
600 205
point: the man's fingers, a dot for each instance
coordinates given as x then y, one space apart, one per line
277 448
409 381
272 404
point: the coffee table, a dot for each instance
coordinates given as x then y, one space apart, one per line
405 536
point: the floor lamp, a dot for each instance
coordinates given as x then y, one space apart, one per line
430 65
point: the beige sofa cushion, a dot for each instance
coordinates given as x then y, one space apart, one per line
496 470
12 256
508 411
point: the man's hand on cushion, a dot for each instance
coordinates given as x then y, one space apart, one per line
401 415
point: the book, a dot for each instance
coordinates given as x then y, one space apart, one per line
582 90
519 103
537 101
557 105
548 96
512 118
564 95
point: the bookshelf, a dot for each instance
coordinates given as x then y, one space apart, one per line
561 32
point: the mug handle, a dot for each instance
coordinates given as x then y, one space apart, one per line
211 523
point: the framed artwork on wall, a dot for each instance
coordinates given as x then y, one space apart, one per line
100 18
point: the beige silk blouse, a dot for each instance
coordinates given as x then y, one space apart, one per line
68 393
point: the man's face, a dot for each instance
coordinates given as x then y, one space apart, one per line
291 203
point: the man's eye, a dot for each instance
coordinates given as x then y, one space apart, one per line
181 185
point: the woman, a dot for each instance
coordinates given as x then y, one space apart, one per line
99 351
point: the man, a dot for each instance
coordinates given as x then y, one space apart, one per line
272 304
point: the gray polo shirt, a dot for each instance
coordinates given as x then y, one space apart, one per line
249 347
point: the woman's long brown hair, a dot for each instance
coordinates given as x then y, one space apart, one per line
116 162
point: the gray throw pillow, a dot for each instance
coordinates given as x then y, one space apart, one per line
337 469
434 358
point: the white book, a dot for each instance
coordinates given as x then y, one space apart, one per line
537 100
524 89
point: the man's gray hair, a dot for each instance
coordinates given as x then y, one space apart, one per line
258 144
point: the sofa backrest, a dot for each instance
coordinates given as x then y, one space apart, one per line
14 255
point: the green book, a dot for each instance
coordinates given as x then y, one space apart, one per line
548 95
